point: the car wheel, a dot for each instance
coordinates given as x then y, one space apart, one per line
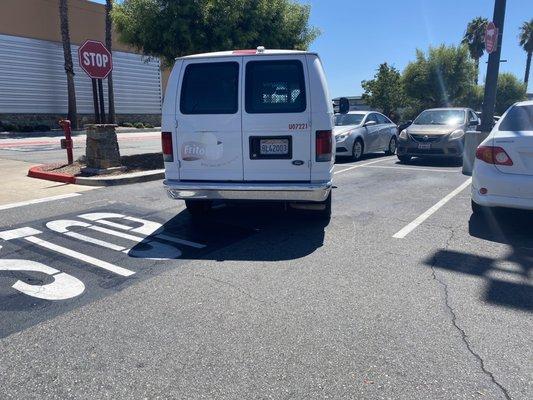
404 159
198 208
393 144
358 149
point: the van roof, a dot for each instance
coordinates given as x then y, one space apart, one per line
251 52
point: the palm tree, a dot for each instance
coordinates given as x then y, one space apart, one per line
108 43
474 39
526 41
69 68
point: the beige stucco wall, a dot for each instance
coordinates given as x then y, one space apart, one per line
39 19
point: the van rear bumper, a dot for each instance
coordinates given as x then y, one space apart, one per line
306 192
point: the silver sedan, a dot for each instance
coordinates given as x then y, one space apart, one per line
362 132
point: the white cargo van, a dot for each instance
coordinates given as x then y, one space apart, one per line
248 125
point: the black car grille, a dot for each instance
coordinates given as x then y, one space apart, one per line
423 138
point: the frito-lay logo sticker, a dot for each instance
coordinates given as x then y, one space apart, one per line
205 146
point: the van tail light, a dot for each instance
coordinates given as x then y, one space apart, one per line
324 145
493 155
166 143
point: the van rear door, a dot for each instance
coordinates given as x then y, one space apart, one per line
208 114
276 119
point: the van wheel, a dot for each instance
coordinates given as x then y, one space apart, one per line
478 210
404 159
358 150
392 146
326 212
198 208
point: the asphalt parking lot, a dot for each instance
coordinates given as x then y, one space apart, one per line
403 295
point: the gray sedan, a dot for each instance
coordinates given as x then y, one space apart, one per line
362 132
437 132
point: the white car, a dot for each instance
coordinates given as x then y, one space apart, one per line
503 169
362 132
252 125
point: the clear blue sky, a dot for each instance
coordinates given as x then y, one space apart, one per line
358 35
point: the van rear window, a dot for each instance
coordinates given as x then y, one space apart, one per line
210 88
275 87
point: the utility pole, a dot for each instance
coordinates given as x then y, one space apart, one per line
491 82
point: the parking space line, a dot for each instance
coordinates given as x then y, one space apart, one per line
420 219
36 201
362 165
412 168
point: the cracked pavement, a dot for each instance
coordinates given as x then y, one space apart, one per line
281 306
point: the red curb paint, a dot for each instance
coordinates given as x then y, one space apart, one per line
37 172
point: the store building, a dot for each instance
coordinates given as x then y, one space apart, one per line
33 86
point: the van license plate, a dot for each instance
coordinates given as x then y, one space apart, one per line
274 147
424 146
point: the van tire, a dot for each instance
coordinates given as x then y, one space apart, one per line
198 208
393 145
326 212
357 156
477 210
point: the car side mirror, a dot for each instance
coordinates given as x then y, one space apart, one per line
370 123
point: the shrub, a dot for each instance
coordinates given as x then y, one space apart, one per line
24 128
138 125
127 124
148 126
41 128
10 127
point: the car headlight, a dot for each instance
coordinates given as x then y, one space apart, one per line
339 138
403 135
457 134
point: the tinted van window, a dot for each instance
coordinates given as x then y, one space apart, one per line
275 87
210 88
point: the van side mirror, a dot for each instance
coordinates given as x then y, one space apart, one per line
370 123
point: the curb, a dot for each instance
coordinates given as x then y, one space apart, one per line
37 172
134 177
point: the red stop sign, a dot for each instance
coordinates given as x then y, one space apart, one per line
95 59
491 37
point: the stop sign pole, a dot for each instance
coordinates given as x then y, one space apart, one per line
493 67
97 62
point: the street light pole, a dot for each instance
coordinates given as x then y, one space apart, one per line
491 82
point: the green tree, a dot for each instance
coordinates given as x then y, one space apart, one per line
474 39
385 91
442 78
509 91
526 41
169 29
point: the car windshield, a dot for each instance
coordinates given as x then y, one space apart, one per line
519 118
440 117
348 119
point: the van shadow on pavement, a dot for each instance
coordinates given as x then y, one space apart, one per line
251 233
513 228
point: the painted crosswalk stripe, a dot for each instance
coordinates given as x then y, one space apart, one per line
80 256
